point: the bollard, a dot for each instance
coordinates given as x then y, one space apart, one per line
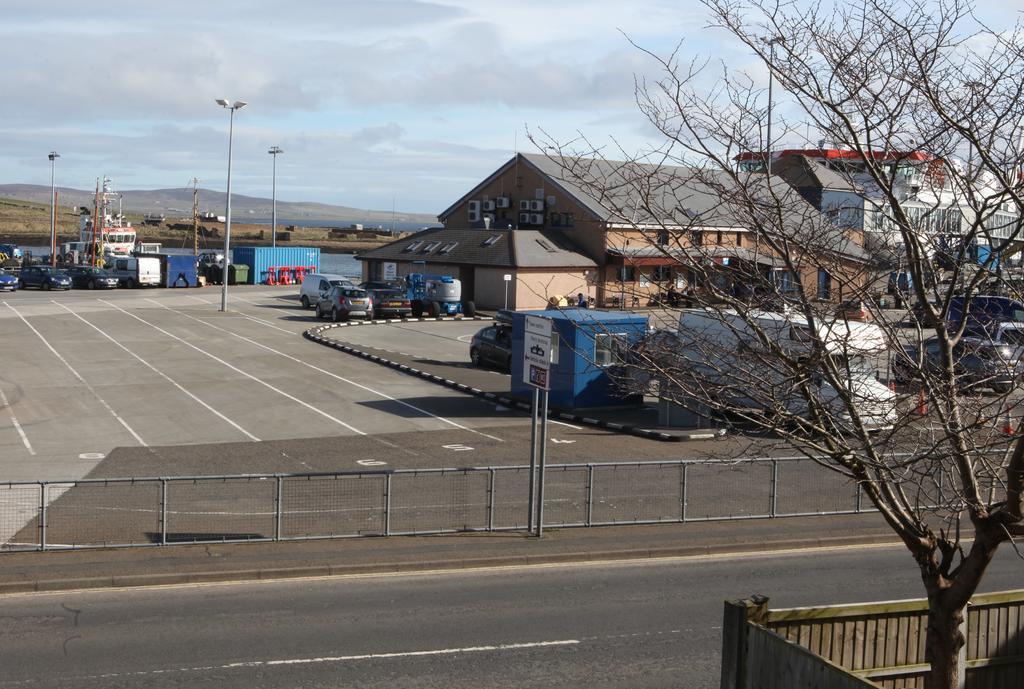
922 403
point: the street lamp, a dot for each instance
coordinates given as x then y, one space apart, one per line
274 150
53 210
771 82
238 105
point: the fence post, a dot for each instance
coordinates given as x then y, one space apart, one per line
775 487
684 480
734 638
490 500
387 504
163 511
590 494
42 515
277 508
857 499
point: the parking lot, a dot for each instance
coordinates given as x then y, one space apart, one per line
182 388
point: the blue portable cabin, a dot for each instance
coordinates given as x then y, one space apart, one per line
588 341
261 258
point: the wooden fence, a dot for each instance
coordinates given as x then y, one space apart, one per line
884 642
754 657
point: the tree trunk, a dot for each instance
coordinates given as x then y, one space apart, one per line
942 644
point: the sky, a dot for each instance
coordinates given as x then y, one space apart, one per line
375 103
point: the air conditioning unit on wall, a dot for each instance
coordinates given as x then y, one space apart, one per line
474 206
536 218
536 206
503 202
524 218
488 205
474 216
524 205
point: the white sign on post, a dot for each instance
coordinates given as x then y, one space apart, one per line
537 352
508 277
390 270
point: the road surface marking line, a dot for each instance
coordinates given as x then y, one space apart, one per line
247 664
201 301
162 375
77 375
14 420
334 375
235 368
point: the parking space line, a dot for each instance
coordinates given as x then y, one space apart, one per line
163 375
232 366
333 375
14 420
77 375
562 423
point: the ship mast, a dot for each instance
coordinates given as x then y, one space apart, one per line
195 216
96 214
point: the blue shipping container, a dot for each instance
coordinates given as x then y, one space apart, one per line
261 259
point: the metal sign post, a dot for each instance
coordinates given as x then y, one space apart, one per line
537 357
508 279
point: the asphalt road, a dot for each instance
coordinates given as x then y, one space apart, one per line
655 624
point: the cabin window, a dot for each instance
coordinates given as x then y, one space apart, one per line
739 239
627 274
607 348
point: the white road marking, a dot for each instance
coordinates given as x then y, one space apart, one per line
464 338
457 448
91 455
82 380
333 375
556 441
248 664
235 368
370 462
14 420
163 375
201 301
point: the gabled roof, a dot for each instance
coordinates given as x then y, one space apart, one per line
632 194
498 248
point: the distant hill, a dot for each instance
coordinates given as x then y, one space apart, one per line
178 203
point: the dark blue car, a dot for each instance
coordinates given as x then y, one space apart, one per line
44 277
8 282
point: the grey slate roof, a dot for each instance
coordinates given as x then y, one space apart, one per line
511 249
633 194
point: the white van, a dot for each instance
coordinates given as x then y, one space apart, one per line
315 287
721 352
135 272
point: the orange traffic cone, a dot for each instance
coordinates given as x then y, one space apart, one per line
922 403
1008 428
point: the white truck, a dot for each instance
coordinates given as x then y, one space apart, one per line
719 355
135 272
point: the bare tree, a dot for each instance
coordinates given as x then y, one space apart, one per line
923 109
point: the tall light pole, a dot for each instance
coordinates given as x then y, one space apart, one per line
274 150
53 210
771 83
237 105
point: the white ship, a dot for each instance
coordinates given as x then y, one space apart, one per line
115 235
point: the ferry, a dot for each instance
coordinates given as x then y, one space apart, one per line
115 235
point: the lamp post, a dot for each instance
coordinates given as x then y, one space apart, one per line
232 107
771 83
53 210
274 150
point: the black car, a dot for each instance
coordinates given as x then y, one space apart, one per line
977 362
44 277
492 346
371 285
91 278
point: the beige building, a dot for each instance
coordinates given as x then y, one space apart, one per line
539 265
649 224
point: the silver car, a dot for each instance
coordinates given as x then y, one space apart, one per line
342 303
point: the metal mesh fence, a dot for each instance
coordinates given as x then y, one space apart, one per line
221 509
19 516
207 509
325 506
102 514
728 490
